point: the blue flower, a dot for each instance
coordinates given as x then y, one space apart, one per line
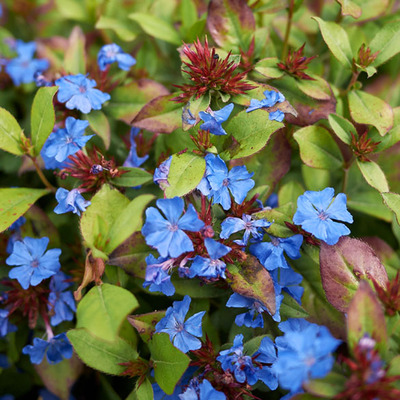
218 180
66 142
5 325
61 302
133 160
289 281
271 98
304 352
210 268
214 119
253 318
70 201
201 391
34 264
266 354
161 173
16 225
235 361
271 255
166 234
23 68
78 92
277 115
56 349
111 53
182 334
157 276
251 226
316 212
159 394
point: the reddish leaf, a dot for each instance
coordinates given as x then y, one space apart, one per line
127 101
231 23
251 279
365 316
130 256
159 115
59 378
343 265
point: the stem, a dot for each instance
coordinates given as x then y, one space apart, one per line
41 175
287 33
352 81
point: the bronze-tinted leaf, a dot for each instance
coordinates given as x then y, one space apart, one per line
251 279
343 265
366 316
131 255
160 115
231 24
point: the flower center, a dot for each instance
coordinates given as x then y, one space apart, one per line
275 241
82 89
173 227
68 139
179 326
225 182
323 215
35 263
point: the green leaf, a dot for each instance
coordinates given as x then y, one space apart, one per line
145 324
14 202
103 310
317 148
342 128
278 215
134 177
366 316
160 115
290 308
196 288
125 29
126 101
169 362
337 40
328 387
101 354
387 42
231 24
350 8
42 117
75 55
369 202
185 173
11 134
268 68
368 109
143 392
73 9
251 134
111 219
156 27
289 192
251 279
317 89
315 179
392 200
373 175
59 378
100 125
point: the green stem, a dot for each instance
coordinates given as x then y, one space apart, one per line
41 175
287 33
